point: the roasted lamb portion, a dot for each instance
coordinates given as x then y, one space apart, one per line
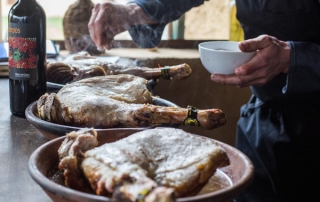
152 165
118 101
62 73
85 66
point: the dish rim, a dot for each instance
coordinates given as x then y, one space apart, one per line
48 185
52 128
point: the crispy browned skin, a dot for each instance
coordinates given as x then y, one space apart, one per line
117 101
88 66
110 113
71 155
59 72
62 73
160 161
178 72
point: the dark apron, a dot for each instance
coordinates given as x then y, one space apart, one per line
282 139
283 142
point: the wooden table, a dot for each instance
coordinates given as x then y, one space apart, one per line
18 139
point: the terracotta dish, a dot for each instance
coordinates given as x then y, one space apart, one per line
52 130
44 160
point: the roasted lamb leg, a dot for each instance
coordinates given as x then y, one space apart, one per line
149 165
178 72
62 73
59 72
118 101
71 154
86 66
128 88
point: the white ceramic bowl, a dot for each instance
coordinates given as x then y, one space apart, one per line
222 57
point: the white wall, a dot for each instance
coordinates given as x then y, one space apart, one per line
1 21
53 8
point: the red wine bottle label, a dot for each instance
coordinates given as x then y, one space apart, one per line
23 58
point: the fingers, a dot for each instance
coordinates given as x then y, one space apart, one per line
91 24
251 66
254 45
262 45
260 42
231 79
255 78
271 58
98 26
107 43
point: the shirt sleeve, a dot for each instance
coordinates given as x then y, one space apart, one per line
162 11
304 71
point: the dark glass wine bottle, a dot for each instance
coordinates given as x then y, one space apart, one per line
27 54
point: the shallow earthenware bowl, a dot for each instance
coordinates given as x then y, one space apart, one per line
222 57
45 159
53 130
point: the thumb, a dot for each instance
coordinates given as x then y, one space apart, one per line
254 44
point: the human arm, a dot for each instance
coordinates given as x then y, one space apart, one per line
298 60
144 19
109 19
163 12
304 71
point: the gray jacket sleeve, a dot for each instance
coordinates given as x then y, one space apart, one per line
304 71
162 11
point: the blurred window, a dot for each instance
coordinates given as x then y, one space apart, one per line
214 23
55 11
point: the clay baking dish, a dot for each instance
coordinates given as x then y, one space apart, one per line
43 160
53 130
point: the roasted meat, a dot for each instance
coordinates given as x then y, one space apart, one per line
83 65
71 152
118 101
152 165
62 73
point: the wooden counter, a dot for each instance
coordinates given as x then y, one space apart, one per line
18 139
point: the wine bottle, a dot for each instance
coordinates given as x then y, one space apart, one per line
27 54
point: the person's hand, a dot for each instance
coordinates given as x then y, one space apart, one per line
272 58
109 19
